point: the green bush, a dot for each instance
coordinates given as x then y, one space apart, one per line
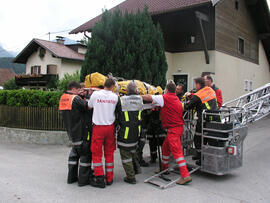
11 85
34 98
62 84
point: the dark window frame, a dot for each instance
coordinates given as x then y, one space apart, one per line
236 4
241 47
38 70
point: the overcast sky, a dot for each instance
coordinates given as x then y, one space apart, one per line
23 20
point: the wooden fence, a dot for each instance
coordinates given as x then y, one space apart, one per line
35 118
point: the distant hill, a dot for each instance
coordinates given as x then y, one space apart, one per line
5 53
7 62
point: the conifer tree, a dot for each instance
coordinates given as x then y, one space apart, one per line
127 45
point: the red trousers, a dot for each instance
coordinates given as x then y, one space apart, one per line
103 136
172 144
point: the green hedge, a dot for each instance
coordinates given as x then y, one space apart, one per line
35 98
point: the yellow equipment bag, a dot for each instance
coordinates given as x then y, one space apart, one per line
94 80
97 80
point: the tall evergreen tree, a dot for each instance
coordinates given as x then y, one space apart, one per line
127 45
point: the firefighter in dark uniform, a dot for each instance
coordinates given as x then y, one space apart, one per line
73 109
204 98
85 95
155 133
128 111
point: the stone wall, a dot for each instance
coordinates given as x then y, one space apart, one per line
15 135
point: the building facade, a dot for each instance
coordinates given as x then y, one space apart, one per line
229 39
46 59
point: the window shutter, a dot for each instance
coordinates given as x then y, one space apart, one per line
39 69
32 70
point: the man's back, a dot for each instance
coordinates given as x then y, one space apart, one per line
104 103
73 115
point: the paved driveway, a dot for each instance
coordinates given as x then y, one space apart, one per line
36 173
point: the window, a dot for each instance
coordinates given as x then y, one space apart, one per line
246 85
253 53
250 85
52 69
35 70
241 46
236 4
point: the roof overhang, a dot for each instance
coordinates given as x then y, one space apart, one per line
87 27
23 56
260 14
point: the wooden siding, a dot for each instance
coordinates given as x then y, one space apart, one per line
232 24
178 27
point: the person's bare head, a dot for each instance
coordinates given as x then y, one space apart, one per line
170 87
208 80
74 87
179 88
109 84
132 88
199 83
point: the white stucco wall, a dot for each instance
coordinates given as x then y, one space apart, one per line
70 67
82 50
63 65
48 59
231 72
191 63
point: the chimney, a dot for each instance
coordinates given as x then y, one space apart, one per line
60 40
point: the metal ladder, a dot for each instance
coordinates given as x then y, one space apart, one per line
168 181
256 103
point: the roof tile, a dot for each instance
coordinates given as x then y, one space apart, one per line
60 50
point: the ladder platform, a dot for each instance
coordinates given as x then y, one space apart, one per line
163 181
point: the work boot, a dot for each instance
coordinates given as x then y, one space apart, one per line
72 180
98 181
144 163
83 184
183 181
196 157
130 180
198 162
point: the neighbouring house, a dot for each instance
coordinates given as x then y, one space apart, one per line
46 60
229 39
5 75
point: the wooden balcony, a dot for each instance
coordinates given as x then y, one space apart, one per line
40 80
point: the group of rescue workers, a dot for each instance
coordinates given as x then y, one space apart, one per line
93 118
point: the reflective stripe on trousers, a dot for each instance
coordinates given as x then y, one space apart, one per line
109 167
97 165
126 144
77 143
85 164
165 160
180 161
72 162
126 161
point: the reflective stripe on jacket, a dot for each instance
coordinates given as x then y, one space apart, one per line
208 98
129 117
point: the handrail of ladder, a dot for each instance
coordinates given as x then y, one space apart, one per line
248 94
259 104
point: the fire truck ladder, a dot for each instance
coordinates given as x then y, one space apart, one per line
256 103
